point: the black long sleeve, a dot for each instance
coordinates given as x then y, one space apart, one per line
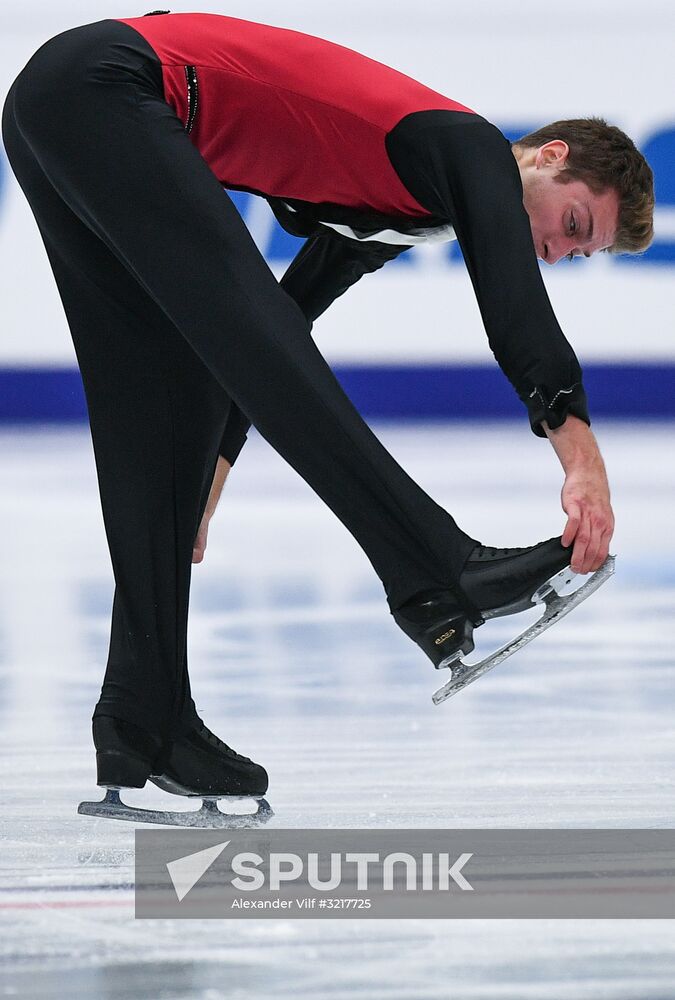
234 435
460 167
327 265
323 269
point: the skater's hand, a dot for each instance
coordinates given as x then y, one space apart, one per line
590 521
220 475
585 495
199 547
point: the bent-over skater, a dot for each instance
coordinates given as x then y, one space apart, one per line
123 134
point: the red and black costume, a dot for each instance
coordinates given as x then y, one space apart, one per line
123 134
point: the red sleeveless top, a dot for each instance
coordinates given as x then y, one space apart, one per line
287 114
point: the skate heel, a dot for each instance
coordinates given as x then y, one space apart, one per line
125 754
442 636
119 770
451 648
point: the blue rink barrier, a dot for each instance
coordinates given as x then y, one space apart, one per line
38 395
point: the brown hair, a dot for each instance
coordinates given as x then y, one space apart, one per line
603 157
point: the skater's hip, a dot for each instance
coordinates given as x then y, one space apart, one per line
104 53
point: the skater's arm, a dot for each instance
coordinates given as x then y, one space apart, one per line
461 168
585 494
234 435
327 265
222 469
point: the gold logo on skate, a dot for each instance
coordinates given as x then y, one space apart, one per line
442 638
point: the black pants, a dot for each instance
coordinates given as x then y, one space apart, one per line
173 314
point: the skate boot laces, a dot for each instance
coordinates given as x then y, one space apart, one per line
485 552
219 745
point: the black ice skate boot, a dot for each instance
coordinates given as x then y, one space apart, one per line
496 581
199 763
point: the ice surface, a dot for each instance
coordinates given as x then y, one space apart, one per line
576 730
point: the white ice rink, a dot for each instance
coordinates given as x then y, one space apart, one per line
575 731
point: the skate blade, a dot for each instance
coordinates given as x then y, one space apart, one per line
208 817
556 606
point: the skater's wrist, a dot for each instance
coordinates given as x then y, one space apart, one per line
220 475
575 445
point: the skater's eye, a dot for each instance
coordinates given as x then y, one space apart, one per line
573 227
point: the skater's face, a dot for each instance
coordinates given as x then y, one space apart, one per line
567 220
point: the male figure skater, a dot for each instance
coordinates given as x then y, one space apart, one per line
122 134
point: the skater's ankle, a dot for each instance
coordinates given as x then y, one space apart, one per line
109 730
429 605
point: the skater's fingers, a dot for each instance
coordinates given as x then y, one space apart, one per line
596 535
603 549
591 554
585 543
199 547
573 521
602 529
579 553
